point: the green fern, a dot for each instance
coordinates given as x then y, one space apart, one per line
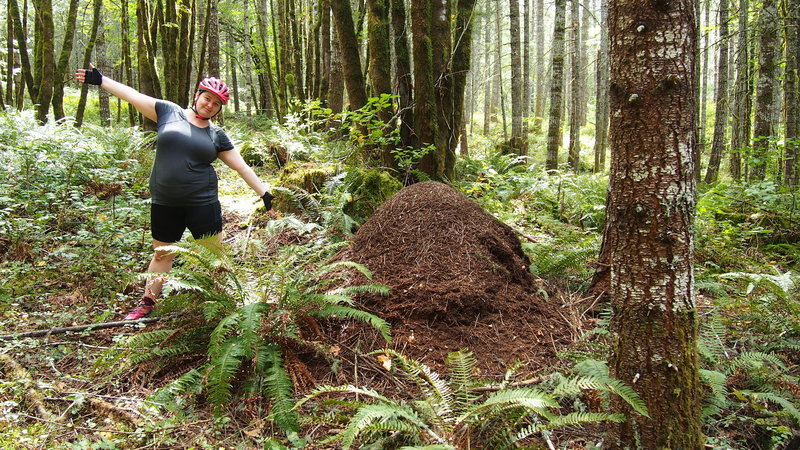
450 409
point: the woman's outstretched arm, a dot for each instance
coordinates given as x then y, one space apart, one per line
143 103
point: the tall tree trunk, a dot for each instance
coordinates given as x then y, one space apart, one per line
61 73
87 58
765 88
11 61
380 68
706 52
336 93
232 59
402 70
515 144
20 32
721 115
103 96
740 136
460 61
575 89
213 40
792 108
348 45
488 71
554 135
297 52
270 96
325 50
497 63
538 111
148 78
46 58
650 215
602 107
526 68
425 104
583 74
127 65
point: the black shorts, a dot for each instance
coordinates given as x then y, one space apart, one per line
169 222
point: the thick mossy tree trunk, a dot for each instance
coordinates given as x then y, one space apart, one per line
349 52
556 87
21 35
721 115
402 70
127 64
461 66
213 40
425 104
45 57
765 89
380 65
148 78
650 215
62 74
176 51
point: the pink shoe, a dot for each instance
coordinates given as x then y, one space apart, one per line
143 310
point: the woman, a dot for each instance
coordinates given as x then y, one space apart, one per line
183 183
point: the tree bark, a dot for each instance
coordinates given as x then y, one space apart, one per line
21 34
602 107
336 92
425 104
721 114
461 61
213 40
402 56
650 214
87 57
515 144
556 87
349 51
792 108
575 89
127 65
380 65
45 58
61 72
740 135
701 121
538 111
103 96
765 88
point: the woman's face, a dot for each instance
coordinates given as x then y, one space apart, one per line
207 104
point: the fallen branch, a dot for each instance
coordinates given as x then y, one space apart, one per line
89 327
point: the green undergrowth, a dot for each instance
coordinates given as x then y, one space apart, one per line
74 233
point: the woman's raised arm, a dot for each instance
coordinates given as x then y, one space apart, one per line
143 103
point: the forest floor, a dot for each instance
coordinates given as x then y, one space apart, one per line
458 279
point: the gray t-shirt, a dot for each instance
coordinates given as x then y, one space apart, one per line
182 172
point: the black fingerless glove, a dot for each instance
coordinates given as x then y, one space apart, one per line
93 76
267 197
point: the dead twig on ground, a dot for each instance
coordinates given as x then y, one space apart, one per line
89 327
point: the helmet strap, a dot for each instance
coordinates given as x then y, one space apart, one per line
196 114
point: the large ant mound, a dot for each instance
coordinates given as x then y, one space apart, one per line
458 278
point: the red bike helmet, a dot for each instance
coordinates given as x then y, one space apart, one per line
216 87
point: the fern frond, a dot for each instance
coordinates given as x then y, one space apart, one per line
712 333
224 328
332 267
372 289
224 365
381 412
349 389
190 382
528 399
718 398
755 360
278 386
352 313
461 365
572 419
787 406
